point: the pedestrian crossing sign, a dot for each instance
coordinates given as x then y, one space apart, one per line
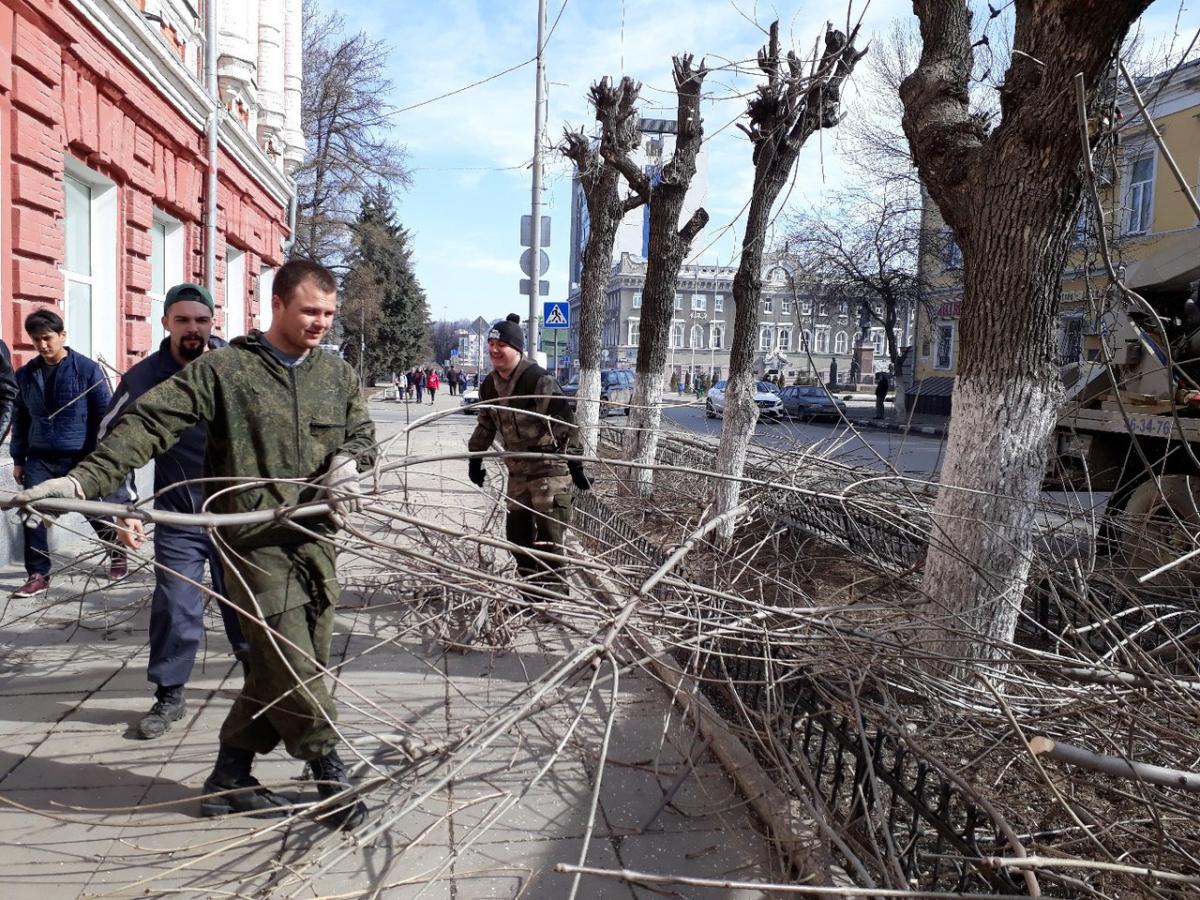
556 314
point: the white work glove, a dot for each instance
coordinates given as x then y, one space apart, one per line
342 487
65 487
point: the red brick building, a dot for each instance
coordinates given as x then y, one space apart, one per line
103 114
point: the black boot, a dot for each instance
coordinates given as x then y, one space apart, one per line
247 795
168 707
330 774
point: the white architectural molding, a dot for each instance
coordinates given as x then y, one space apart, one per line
122 24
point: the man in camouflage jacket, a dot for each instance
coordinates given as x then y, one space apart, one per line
537 419
286 425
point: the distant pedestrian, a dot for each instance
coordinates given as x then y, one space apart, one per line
420 385
62 397
462 381
452 380
432 383
881 390
401 385
411 382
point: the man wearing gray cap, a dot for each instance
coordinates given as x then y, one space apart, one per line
181 552
537 419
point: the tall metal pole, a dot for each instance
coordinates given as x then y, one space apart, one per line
535 222
211 139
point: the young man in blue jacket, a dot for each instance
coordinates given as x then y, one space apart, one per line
61 398
177 610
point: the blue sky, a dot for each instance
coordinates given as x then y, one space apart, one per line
470 153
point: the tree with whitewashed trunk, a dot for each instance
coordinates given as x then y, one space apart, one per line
601 183
668 245
792 106
1011 194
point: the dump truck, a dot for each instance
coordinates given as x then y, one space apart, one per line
1130 425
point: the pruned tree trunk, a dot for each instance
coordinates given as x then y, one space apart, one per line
1010 196
601 183
784 113
668 245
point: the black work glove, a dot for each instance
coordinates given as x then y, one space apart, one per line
475 470
581 481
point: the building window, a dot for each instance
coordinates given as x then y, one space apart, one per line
945 347
768 305
699 301
822 340
1070 345
716 339
697 337
1141 193
677 335
785 340
637 299
839 342
634 327
951 252
806 308
785 307
764 339
235 293
878 341
805 341
266 290
679 301
90 263
719 303
166 268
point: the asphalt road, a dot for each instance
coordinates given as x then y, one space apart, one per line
868 447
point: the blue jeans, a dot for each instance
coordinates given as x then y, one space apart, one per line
37 545
177 610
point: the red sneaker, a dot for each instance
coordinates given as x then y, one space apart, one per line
34 587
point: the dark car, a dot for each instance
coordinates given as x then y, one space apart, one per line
616 390
811 402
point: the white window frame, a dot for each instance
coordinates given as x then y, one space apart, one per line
716 337
785 307
766 338
266 290
697 337
768 304
699 302
718 303
233 314
676 341
105 309
937 342
805 340
172 269
879 340
635 327
1134 196
822 345
841 343
805 308
785 340
679 301
637 300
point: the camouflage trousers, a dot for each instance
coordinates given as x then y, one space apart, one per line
539 511
296 591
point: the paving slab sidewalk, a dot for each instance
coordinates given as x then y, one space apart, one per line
87 810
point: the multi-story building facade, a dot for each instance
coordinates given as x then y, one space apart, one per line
1150 226
800 334
104 145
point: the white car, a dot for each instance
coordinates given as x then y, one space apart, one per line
469 396
765 396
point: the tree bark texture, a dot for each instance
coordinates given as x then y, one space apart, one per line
1010 195
784 113
668 245
601 183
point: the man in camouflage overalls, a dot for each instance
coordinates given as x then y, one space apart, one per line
539 490
287 425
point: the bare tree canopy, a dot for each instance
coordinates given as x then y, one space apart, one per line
345 120
1011 195
863 249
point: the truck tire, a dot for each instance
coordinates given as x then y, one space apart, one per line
1160 523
